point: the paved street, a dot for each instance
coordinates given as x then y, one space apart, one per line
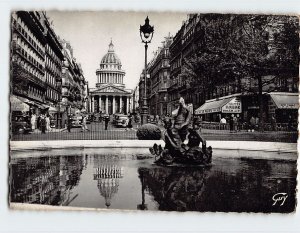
97 132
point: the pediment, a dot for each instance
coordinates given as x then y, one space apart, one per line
110 89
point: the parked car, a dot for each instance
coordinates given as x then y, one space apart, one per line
20 124
76 121
115 117
121 121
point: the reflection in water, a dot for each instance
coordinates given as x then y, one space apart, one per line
175 189
249 186
76 180
45 180
107 175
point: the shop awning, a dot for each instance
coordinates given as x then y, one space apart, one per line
18 105
226 105
285 100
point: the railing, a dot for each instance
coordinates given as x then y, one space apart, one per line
246 126
95 131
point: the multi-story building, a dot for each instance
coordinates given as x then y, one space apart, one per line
135 98
235 95
53 71
28 42
73 83
159 71
37 59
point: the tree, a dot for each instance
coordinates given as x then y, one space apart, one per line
235 48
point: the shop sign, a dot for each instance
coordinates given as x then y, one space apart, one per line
233 106
288 106
211 110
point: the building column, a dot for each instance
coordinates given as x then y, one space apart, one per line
106 105
120 103
127 104
93 104
114 105
100 103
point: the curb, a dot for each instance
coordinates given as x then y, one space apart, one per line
223 145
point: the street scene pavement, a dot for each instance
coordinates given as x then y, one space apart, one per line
96 131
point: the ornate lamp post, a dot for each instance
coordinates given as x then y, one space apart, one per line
146 33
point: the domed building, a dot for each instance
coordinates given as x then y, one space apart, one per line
110 95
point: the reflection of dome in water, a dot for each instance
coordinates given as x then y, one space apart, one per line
108 181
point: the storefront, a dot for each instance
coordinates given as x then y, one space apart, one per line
284 106
214 109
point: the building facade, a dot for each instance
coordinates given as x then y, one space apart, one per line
28 55
74 92
44 73
229 95
110 95
159 71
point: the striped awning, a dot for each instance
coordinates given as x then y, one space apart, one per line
285 100
18 105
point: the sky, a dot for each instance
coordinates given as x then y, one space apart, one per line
89 33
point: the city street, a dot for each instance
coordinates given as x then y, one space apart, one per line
97 132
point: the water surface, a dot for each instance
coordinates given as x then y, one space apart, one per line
118 181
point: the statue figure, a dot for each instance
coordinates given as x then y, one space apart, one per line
175 150
182 119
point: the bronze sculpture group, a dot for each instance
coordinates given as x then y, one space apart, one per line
175 150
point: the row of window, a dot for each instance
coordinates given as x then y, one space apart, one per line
21 26
28 51
29 67
116 67
51 94
52 66
50 79
53 55
35 92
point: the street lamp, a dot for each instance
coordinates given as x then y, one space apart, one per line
146 33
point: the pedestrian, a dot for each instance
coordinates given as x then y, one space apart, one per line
129 123
231 123
48 128
43 123
33 121
235 123
84 126
69 124
252 124
106 120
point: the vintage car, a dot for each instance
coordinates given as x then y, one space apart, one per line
121 121
76 121
20 124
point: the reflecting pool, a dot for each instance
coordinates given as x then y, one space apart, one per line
112 179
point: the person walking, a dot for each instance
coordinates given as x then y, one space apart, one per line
43 123
106 120
231 123
48 128
252 124
84 126
33 122
235 123
69 124
129 123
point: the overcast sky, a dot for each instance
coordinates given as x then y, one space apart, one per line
90 33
